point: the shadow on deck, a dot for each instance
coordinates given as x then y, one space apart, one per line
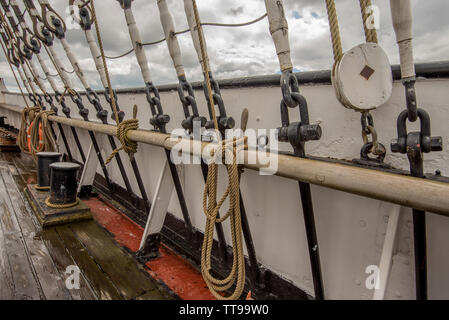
38 264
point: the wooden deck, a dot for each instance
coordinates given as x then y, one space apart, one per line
36 263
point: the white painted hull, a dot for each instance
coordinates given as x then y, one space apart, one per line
351 229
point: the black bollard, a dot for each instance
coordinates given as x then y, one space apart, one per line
44 160
63 183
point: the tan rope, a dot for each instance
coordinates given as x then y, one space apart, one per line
334 30
38 188
370 33
14 74
210 205
129 146
61 206
103 57
28 115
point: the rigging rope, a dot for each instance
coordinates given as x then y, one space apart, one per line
226 149
215 24
128 145
41 137
14 74
370 36
41 126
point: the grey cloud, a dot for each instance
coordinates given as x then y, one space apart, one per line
245 51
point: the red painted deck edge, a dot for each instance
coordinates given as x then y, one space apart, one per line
177 273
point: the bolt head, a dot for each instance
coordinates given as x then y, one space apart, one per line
436 144
395 148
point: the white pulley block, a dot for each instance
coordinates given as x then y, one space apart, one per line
362 78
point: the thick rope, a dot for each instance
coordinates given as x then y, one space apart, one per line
28 115
370 33
129 146
39 188
61 206
334 30
226 149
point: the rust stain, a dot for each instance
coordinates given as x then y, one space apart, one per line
177 273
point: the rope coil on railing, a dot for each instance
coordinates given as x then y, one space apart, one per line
40 129
127 145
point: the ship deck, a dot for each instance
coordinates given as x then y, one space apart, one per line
34 261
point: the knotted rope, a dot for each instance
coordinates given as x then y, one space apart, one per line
370 33
127 145
229 150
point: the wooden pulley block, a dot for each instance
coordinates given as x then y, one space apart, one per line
362 79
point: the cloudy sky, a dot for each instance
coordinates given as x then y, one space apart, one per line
246 51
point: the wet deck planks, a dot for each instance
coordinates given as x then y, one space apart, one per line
33 262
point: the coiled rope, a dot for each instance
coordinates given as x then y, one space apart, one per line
48 142
61 206
225 149
28 115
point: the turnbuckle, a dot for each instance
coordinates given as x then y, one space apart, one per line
410 97
414 143
224 122
189 100
61 100
296 133
159 120
120 114
76 98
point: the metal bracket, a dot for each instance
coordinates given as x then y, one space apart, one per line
156 217
89 170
